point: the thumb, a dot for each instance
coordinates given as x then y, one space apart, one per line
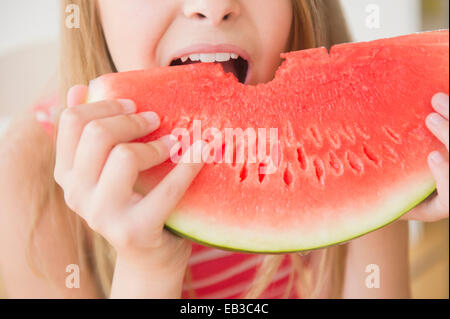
77 95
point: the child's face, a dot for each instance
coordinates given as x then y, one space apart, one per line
151 33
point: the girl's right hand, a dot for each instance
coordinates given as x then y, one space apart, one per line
97 167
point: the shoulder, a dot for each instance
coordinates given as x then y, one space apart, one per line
20 156
27 180
24 148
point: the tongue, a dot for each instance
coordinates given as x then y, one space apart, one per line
229 67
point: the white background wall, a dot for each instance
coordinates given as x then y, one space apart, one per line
24 22
28 51
397 17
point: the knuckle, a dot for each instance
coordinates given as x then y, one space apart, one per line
95 130
124 153
122 118
114 105
71 117
155 150
136 121
140 122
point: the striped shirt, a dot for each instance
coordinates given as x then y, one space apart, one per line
213 273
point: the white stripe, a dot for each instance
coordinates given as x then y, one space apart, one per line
241 287
228 273
208 255
282 273
279 290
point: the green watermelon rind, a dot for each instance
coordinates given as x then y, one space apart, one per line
415 203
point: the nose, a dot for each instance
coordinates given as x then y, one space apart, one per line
215 11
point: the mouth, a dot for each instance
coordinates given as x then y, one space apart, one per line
232 62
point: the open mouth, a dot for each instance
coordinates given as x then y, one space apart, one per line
231 63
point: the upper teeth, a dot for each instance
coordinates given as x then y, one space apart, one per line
210 57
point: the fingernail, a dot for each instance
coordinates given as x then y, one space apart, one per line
152 118
441 100
435 119
440 104
171 142
436 158
128 105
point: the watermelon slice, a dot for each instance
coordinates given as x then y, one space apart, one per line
352 141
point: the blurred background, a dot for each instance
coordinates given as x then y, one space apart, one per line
28 62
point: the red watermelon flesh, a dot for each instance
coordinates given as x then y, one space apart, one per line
352 139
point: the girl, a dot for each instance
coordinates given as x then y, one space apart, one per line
67 204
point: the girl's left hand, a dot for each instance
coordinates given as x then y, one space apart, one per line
436 207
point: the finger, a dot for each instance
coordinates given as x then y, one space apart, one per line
439 166
71 125
157 205
440 104
436 207
126 161
77 95
430 210
439 126
100 136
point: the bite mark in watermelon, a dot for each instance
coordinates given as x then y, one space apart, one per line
352 138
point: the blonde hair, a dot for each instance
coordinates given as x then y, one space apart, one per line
85 56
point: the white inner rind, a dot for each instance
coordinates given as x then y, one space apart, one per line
355 223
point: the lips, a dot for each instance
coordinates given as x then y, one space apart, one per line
232 58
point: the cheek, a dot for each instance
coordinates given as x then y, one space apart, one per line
274 25
132 31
